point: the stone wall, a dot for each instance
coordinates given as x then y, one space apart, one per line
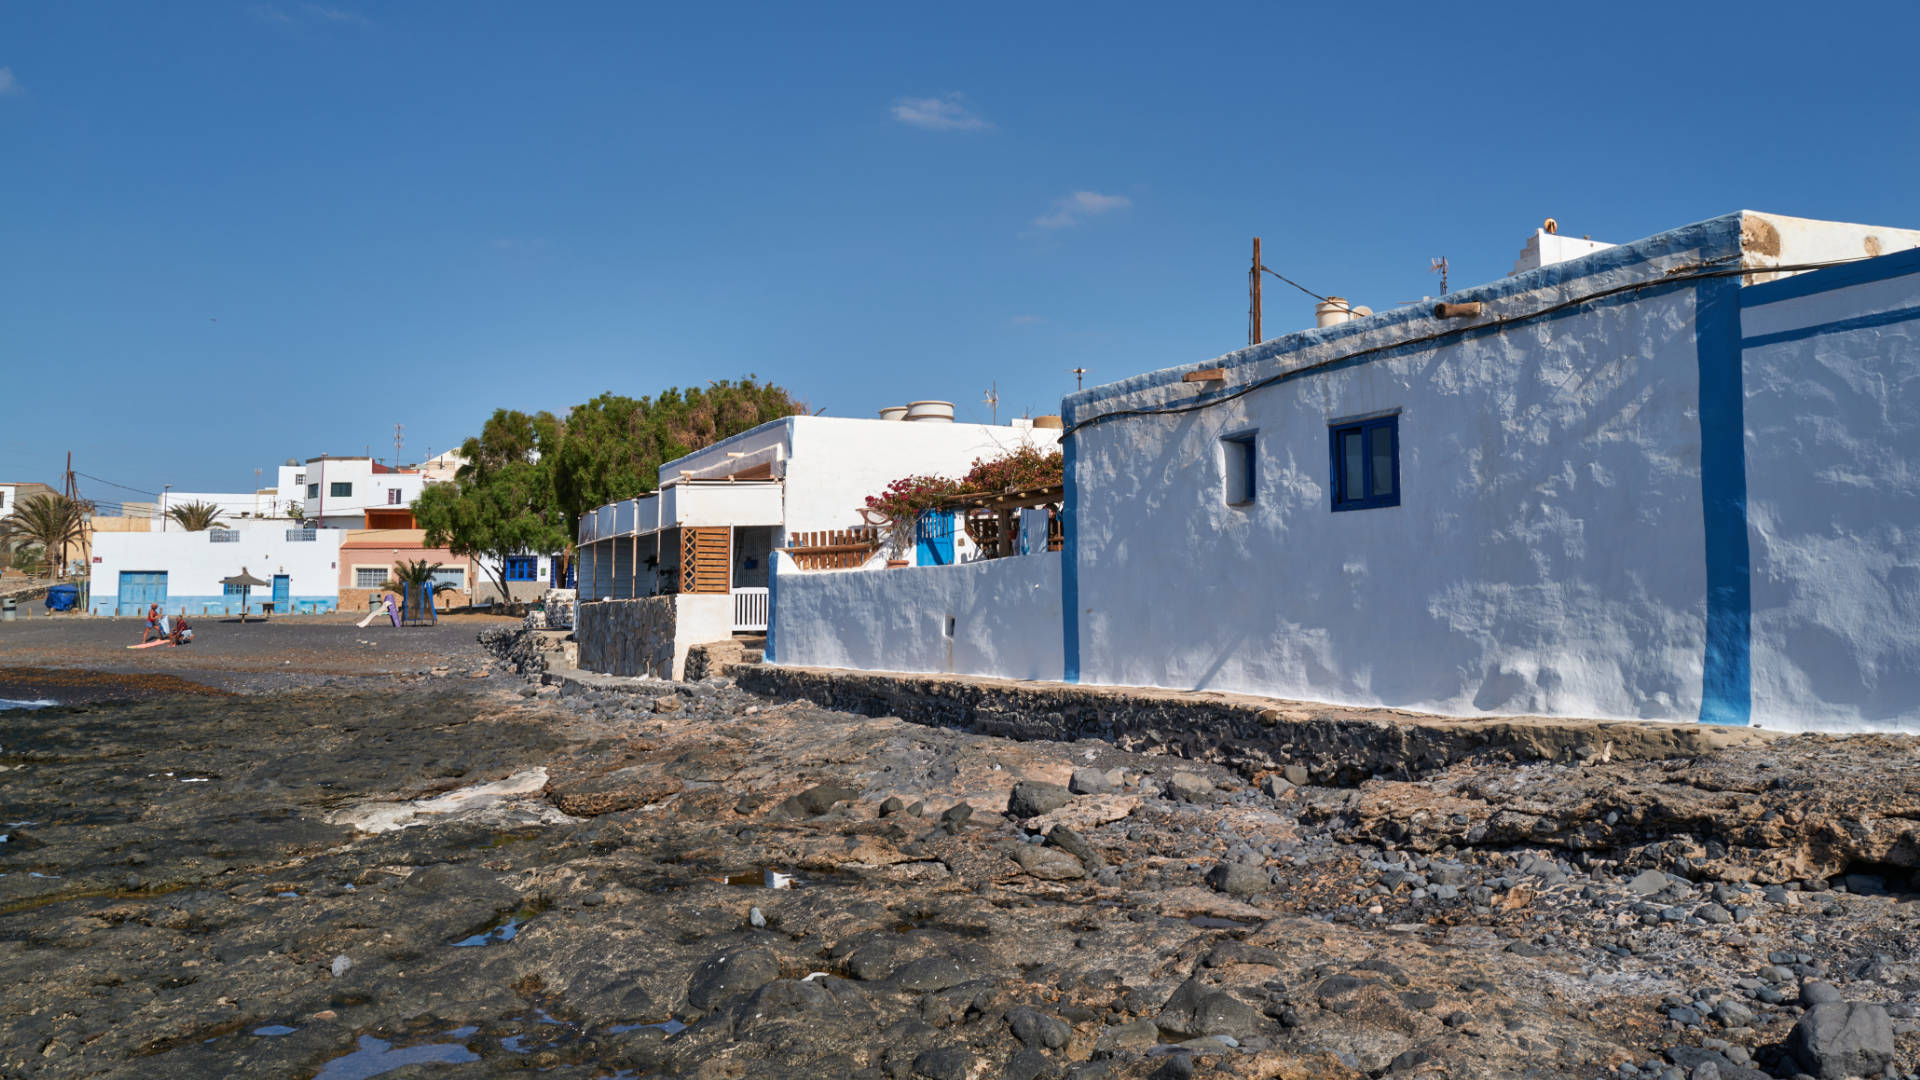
1335 744
627 637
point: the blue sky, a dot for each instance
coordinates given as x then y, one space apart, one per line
240 232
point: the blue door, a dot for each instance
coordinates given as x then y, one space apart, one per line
140 588
934 533
282 593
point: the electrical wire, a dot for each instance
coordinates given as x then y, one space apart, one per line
109 483
1672 277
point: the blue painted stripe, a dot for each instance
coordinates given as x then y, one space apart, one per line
1070 566
1838 326
1864 272
1726 690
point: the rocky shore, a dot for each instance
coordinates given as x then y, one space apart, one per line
468 873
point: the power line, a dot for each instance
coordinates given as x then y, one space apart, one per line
109 483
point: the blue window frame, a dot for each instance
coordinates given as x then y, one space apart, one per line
1239 468
1366 463
233 590
522 568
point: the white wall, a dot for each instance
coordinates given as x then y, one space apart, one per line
698 619
1833 496
1005 615
194 564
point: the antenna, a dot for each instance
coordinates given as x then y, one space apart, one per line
1440 267
992 400
399 440
1079 377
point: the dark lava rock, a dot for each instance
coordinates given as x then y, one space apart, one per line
930 973
943 1063
1090 781
1814 993
1027 1065
1237 879
1075 845
956 817
1031 798
1239 952
1036 1029
1840 1039
818 800
1196 1009
730 973
1188 787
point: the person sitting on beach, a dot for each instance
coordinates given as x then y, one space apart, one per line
182 632
153 624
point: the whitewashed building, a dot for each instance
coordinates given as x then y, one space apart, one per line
1669 479
182 571
704 542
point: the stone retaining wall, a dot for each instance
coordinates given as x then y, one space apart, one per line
1336 744
627 637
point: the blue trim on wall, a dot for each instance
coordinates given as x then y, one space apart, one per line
1838 326
1069 568
1864 272
1726 688
1711 240
773 603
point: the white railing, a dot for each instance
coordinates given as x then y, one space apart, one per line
749 609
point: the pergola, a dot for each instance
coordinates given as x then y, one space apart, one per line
246 582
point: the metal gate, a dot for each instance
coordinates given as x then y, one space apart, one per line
933 536
140 588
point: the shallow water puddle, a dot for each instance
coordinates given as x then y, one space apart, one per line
377 1056
503 930
669 1025
764 878
272 1030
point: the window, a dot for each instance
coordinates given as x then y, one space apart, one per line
369 577
1239 469
299 478
521 568
233 590
455 576
1366 463
338 490
299 536
223 536
393 496
313 491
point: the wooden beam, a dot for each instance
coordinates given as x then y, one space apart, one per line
1213 374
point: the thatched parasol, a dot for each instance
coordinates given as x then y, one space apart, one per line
246 582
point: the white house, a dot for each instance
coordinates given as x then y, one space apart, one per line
1669 479
705 540
234 506
339 492
181 571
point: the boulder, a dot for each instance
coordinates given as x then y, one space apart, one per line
1840 1039
1031 798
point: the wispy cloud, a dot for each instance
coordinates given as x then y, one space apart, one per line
8 84
308 15
1078 207
948 113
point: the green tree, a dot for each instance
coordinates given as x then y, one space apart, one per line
612 447
196 516
54 522
501 500
30 559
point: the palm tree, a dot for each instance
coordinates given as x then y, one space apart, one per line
196 516
413 580
52 521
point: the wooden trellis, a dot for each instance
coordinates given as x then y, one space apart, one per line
704 560
833 549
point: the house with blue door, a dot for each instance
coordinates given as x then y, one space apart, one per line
1668 479
703 544
181 571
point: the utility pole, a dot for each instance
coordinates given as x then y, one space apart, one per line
164 488
399 440
1253 297
992 401
1440 267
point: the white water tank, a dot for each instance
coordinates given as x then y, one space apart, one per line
936 412
894 412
